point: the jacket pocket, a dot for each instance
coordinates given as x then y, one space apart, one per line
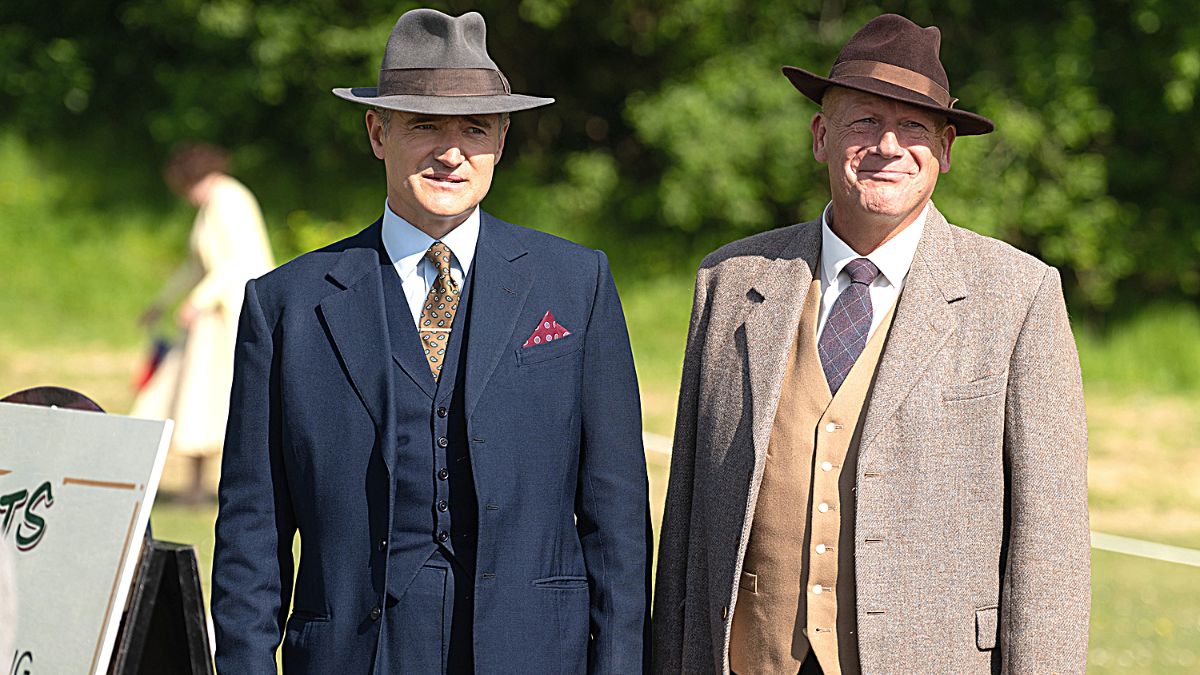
300 616
551 350
986 627
984 386
562 583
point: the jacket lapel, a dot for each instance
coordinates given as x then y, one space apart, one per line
776 298
924 319
354 319
498 295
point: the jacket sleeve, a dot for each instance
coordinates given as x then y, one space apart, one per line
1046 598
612 498
670 587
252 562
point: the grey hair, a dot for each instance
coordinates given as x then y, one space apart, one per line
385 117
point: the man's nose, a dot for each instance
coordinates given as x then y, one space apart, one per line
451 155
889 145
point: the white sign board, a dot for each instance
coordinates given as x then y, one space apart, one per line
75 495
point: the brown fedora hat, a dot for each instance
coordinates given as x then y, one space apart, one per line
894 58
436 64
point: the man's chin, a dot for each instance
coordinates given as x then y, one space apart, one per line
883 209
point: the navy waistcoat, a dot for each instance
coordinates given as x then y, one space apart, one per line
435 508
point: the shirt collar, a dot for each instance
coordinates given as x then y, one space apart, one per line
406 245
894 258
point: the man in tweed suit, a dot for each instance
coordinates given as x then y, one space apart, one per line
880 455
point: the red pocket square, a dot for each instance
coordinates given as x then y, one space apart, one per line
548 330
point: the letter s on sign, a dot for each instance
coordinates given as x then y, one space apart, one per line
30 532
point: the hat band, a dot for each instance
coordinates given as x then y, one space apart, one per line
442 82
901 77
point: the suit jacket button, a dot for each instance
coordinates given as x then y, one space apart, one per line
383 544
442 506
443 536
376 613
443 474
442 412
443 442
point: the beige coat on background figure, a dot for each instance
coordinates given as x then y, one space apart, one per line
228 247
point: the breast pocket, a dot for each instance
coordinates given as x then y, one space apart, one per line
566 346
984 386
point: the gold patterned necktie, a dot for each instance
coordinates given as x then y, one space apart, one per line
437 317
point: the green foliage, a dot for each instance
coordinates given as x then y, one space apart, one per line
72 275
674 131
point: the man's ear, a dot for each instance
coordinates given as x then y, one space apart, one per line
375 132
818 133
503 135
948 136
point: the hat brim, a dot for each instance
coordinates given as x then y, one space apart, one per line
442 105
814 86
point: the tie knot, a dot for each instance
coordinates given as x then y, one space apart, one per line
862 271
439 255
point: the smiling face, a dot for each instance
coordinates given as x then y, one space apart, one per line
884 157
438 167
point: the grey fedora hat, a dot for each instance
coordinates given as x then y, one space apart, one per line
436 64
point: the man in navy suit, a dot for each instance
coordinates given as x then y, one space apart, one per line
445 407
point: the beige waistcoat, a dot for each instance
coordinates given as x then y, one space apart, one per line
797 584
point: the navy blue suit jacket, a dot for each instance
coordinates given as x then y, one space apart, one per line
562 579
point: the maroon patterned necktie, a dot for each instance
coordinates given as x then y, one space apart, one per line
437 317
849 323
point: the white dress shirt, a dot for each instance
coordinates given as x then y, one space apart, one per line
893 258
406 246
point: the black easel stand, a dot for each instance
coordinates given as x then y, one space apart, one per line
163 630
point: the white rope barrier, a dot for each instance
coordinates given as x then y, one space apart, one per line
1145 549
656 443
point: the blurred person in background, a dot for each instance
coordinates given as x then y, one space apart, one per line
228 246
880 459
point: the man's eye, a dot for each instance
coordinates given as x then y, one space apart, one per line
476 130
914 125
865 120
424 127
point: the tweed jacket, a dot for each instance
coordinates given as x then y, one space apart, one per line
971 526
